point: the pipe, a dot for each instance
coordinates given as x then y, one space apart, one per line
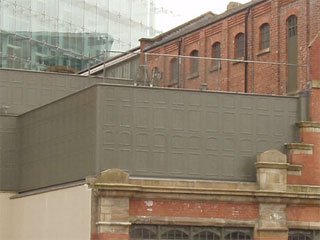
246 50
179 63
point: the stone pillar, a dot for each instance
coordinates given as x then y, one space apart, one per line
272 177
110 214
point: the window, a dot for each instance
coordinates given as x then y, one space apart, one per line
239 46
194 61
216 53
142 233
165 232
292 53
292 23
304 234
265 36
174 70
174 234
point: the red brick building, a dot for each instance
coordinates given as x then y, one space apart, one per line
149 163
267 32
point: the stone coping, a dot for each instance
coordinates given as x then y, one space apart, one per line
299 146
191 221
292 195
308 124
272 165
315 83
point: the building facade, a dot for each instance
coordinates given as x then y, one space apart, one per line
94 158
262 46
37 35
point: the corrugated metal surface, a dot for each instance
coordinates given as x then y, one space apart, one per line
23 91
58 141
9 152
150 132
190 134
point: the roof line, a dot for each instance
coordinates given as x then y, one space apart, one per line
219 18
179 26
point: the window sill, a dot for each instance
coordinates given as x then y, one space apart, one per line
215 68
263 51
238 60
193 75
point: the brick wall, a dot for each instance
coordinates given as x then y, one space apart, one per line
261 78
193 209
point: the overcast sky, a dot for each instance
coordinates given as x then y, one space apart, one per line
181 11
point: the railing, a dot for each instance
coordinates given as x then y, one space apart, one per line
206 73
191 72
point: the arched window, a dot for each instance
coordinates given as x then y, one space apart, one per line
239 45
300 235
194 61
238 235
174 70
292 53
264 36
216 53
292 24
142 233
206 235
156 76
175 234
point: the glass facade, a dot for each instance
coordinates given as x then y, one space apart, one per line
47 34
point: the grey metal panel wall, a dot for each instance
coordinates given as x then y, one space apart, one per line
25 90
58 141
190 134
9 153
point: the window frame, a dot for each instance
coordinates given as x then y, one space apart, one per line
292 26
265 36
174 70
194 62
216 53
239 46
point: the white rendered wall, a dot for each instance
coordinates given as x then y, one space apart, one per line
62 214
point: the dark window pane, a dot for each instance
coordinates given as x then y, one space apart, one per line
194 61
216 53
292 24
239 45
174 70
265 36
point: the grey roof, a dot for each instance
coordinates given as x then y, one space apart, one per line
195 24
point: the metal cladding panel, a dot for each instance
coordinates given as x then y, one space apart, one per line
23 91
9 153
190 134
58 141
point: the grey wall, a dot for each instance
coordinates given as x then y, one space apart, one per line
24 90
149 132
9 152
190 134
58 141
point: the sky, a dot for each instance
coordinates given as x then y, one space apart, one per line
179 11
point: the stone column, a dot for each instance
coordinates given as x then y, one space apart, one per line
272 177
110 214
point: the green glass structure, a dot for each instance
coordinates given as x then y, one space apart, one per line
47 34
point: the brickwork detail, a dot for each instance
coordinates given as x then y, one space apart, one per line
193 209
